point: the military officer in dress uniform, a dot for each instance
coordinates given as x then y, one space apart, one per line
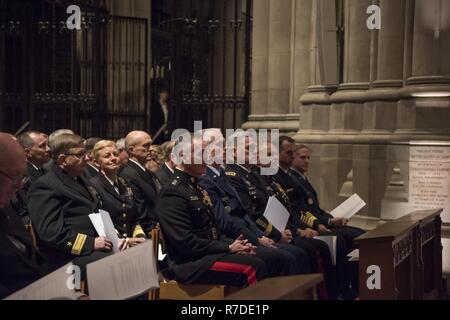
230 215
117 198
38 154
20 262
304 236
254 200
197 251
144 184
327 223
300 166
59 206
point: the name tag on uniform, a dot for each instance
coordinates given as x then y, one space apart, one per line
194 198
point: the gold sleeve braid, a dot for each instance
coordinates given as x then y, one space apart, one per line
138 231
308 218
78 244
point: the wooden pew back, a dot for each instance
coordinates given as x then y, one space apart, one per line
402 259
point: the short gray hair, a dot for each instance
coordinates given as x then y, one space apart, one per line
121 144
64 142
53 135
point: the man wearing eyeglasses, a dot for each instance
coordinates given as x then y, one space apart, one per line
38 154
144 183
59 206
20 263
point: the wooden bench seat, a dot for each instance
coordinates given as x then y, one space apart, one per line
299 287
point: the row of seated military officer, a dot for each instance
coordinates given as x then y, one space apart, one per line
211 216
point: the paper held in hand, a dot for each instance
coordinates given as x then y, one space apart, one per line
124 275
58 285
349 207
105 228
276 213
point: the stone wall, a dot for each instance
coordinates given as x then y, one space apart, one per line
353 109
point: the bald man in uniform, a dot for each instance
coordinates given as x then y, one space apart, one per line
20 262
144 183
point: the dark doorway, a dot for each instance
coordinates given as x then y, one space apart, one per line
201 52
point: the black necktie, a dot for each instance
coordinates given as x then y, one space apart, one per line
156 182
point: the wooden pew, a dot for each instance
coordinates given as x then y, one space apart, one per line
300 287
408 253
428 270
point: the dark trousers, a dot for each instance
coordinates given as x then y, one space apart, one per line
318 252
302 262
278 262
235 270
350 269
341 272
349 234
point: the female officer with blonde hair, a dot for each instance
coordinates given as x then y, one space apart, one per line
117 197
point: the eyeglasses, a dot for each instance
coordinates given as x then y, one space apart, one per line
79 155
16 180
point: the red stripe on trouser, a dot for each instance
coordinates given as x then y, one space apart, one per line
236 268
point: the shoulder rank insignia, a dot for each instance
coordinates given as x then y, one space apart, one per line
175 182
231 173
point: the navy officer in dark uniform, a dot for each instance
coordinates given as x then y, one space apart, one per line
197 251
117 198
59 206
325 221
254 197
230 214
300 165
317 250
